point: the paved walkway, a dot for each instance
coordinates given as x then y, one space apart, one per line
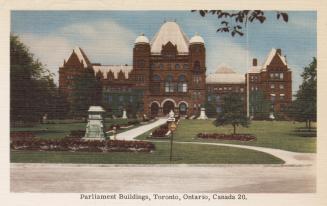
59 178
290 158
133 133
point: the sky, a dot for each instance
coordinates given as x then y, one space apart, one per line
107 37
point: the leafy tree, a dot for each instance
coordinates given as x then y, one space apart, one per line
233 112
31 84
84 93
304 107
234 22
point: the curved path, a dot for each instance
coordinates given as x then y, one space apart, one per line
290 158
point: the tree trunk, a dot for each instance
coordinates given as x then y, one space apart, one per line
306 123
309 125
234 128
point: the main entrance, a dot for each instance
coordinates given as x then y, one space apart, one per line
154 109
167 107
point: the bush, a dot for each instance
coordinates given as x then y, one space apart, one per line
238 137
79 145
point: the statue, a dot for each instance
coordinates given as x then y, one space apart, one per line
95 125
203 114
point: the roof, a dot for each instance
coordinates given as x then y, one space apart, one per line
81 56
255 69
96 109
225 75
115 69
270 57
141 39
196 39
170 32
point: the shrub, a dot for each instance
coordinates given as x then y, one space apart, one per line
238 137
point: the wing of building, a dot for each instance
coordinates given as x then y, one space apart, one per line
169 73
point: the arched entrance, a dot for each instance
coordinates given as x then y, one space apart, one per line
167 107
182 108
154 109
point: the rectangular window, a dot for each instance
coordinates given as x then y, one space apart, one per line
242 89
282 97
281 86
281 75
272 97
272 86
271 75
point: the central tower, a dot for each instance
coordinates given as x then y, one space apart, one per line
170 70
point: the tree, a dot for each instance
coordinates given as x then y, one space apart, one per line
304 107
85 92
233 112
234 22
31 84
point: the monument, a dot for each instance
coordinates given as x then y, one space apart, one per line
95 124
124 114
203 114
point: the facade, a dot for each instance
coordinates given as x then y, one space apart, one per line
270 85
169 73
220 83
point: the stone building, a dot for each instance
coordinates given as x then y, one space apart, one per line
169 73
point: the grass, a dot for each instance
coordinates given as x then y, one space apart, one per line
277 134
182 154
60 130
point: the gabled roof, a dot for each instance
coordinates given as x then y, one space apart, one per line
270 57
82 56
170 32
115 69
225 75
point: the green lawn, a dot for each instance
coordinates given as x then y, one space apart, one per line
182 154
276 134
60 130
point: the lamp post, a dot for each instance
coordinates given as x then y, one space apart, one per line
172 128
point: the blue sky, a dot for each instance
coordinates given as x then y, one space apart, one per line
107 36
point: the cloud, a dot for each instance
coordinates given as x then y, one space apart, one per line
104 42
50 50
227 52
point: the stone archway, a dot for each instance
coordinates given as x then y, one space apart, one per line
182 108
167 107
154 109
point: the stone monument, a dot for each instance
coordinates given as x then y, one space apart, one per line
124 114
95 124
203 114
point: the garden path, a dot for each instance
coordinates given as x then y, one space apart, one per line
133 133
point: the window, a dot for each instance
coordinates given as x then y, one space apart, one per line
209 98
272 97
156 77
182 85
242 89
109 98
272 86
153 65
177 66
252 88
271 75
276 75
256 88
281 75
131 98
161 66
185 66
196 79
121 98
282 97
281 86
169 85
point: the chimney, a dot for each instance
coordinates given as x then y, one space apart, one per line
255 62
279 51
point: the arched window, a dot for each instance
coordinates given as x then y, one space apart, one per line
169 85
185 66
196 65
177 66
161 66
156 77
182 84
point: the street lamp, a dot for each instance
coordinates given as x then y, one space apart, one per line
172 128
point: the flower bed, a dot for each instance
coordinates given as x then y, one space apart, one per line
160 132
238 137
21 135
79 145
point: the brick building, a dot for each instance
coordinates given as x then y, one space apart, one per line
169 73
